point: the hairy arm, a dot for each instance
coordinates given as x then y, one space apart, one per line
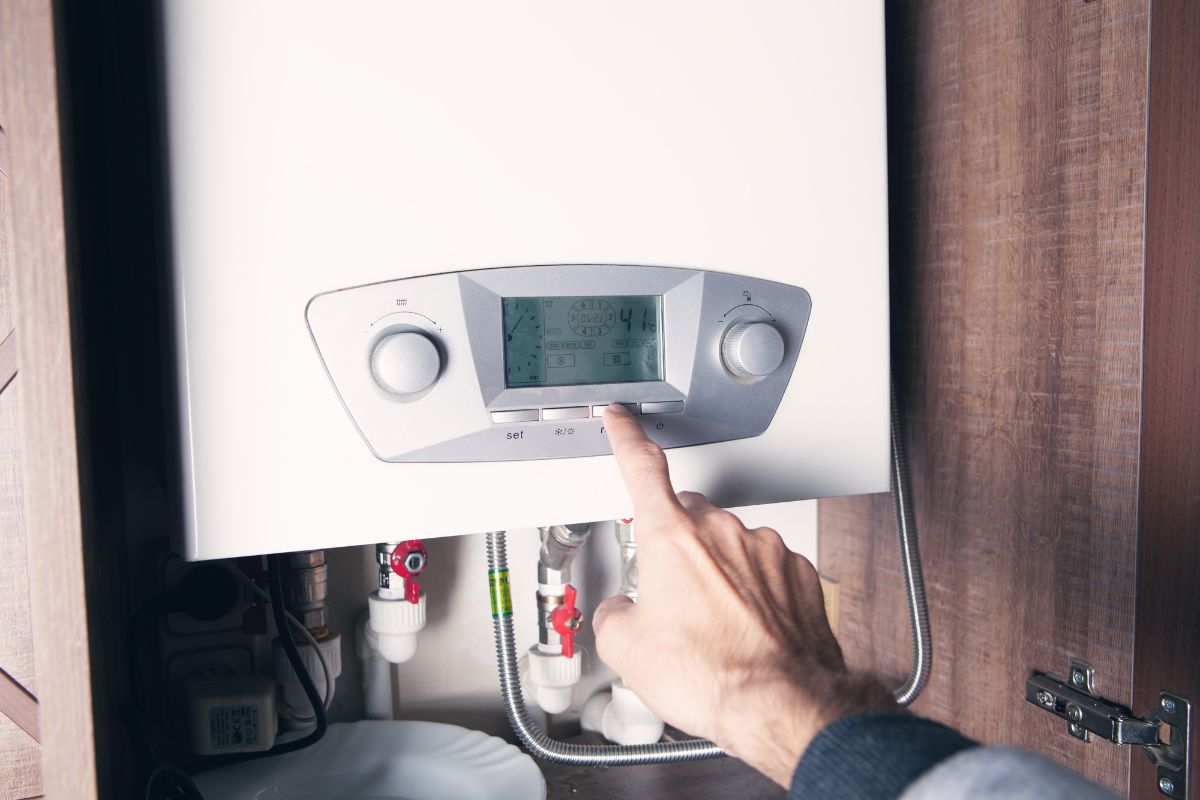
729 638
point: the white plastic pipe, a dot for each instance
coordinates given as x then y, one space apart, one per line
376 673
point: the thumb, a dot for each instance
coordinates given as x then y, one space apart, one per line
612 622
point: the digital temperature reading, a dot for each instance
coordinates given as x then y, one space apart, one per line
565 341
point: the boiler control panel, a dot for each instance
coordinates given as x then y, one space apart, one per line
518 363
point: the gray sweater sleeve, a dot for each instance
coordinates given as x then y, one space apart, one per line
1002 773
890 756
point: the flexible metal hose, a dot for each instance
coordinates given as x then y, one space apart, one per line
542 746
910 559
533 738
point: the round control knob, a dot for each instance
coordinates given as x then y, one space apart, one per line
752 349
406 363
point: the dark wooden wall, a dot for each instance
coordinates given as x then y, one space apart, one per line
1018 161
1168 613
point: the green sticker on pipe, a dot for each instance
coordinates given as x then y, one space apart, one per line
501 595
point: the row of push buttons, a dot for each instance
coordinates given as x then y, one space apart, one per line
583 412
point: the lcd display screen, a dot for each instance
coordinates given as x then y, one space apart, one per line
566 341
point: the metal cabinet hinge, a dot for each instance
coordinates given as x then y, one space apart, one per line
1074 700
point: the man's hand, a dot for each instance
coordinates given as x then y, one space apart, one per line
728 639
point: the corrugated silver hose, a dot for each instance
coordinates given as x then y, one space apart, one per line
910 559
533 738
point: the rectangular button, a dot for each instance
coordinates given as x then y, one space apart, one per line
598 411
569 412
663 407
522 415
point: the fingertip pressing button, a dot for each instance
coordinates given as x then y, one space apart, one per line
598 411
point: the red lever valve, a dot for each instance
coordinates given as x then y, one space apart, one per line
567 620
408 561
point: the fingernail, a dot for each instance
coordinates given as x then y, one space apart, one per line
617 408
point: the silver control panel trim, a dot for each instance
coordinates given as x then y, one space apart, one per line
461 313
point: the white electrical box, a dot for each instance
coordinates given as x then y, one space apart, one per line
418 245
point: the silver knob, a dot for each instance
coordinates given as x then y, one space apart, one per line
752 349
406 363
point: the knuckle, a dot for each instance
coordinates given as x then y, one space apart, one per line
805 569
647 450
728 522
771 538
608 645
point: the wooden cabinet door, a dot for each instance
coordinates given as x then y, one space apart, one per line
1046 298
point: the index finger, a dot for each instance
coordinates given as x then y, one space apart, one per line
642 463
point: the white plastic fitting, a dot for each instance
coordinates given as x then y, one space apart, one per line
293 693
551 679
620 716
376 672
396 624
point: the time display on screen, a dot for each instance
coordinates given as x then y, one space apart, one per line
566 341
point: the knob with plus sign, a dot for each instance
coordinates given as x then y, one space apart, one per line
752 349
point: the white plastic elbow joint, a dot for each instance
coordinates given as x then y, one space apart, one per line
620 716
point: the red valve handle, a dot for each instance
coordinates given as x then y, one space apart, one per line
408 561
567 619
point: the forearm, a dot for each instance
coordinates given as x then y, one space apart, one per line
772 718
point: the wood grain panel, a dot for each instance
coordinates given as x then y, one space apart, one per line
8 306
20 755
1017 148
18 704
20 762
1167 652
8 360
52 492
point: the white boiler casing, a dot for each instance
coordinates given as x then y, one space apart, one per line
323 158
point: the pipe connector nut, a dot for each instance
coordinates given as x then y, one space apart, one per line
396 623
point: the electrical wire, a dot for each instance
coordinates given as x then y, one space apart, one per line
275 566
330 683
182 785
183 782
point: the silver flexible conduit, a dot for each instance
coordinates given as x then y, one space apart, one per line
910 559
533 738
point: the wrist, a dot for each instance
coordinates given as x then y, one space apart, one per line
770 720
